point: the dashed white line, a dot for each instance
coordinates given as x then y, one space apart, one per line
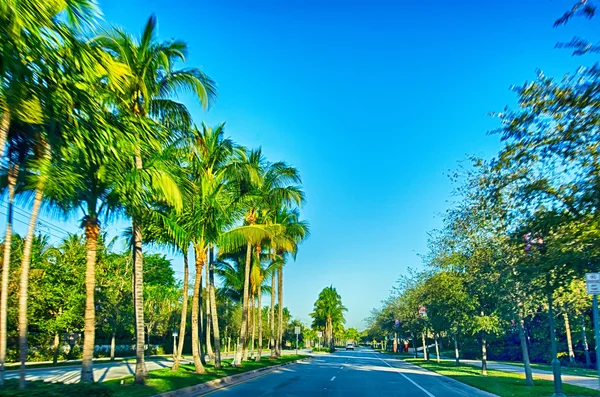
332 379
408 379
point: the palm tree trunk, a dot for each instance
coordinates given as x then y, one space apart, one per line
24 283
138 284
253 317
588 361
201 326
91 234
237 361
569 340
245 354
12 181
4 126
456 353
280 302
437 348
199 254
272 320
112 346
55 347
260 326
213 312
184 303
209 349
525 351
483 354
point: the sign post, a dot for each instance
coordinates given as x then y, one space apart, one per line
592 283
297 331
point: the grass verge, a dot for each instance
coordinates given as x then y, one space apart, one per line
591 373
158 381
503 384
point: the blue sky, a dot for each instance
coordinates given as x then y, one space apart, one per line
375 103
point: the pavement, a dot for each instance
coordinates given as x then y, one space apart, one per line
351 373
104 371
577 380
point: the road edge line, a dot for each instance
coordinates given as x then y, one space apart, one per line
407 378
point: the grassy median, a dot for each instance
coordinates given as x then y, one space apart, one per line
503 384
158 381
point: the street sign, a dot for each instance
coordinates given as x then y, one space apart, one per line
422 311
320 334
297 330
592 282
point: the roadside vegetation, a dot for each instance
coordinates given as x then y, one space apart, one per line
503 384
91 131
504 275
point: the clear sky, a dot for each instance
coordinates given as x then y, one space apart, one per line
374 101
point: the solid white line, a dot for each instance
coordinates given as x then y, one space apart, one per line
408 379
341 367
331 380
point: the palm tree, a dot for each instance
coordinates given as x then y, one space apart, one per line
328 313
25 31
147 93
272 186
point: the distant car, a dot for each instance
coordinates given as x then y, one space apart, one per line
350 346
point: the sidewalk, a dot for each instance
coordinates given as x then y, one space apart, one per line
104 371
577 380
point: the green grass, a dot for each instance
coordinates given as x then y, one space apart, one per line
158 381
503 384
592 373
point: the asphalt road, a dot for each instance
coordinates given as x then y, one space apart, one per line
352 373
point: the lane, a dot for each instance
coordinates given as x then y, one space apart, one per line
353 373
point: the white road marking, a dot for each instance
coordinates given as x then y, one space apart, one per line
341 367
408 379
332 379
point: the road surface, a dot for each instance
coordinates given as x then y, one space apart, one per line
352 373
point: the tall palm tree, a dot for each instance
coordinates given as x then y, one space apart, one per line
28 31
147 94
328 312
274 184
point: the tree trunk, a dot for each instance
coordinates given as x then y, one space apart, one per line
280 303
237 361
569 340
213 311
138 281
425 356
209 349
272 320
245 354
24 283
112 346
201 327
260 324
525 351
4 127
588 361
437 348
55 347
182 323
91 233
483 354
456 352
199 254
12 181
253 317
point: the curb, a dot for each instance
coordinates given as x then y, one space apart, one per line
220 383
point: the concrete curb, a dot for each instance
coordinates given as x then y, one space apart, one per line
220 383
